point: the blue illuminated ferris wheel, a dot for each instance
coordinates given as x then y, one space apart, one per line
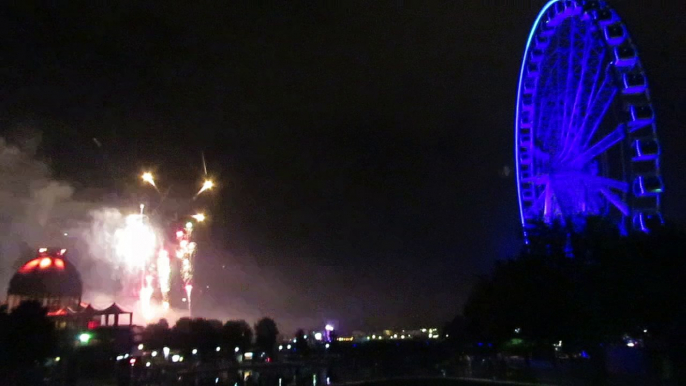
585 135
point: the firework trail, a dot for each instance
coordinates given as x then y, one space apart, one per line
136 243
185 252
163 276
207 185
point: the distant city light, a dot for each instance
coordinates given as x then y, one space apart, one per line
328 327
147 364
280 347
318 336
326 345
42 250
57 359
120 357
199 217
175 358
140 346
153 354
630 344
236 349
165 351
247 356
288 347
218 349
132 361
195 351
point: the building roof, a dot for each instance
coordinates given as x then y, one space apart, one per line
48 274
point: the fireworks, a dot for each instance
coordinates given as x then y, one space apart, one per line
135 242
144 254
207 185
147 177
185 252
145 297
164 276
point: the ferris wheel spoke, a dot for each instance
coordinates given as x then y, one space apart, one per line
606 182
584 90
600 147
540 179
597 109
537 205
546 107
615 200
548 202
569 82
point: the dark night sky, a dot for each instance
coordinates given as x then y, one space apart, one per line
358 144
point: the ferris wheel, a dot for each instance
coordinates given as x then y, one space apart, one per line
585 134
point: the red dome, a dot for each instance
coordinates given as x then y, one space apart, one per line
48 274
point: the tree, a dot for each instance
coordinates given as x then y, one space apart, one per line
27 338
237 333
265 335
201 334
157 335
301 346
586 287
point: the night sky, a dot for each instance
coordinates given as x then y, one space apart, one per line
360 146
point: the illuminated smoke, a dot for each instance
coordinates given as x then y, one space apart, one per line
145 298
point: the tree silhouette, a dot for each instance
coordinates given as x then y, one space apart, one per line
586 287
301 346
157 335
27 338
201 334
265 335
237 333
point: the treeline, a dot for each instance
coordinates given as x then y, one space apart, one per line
587 288
205 335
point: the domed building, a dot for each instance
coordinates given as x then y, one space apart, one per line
50 279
